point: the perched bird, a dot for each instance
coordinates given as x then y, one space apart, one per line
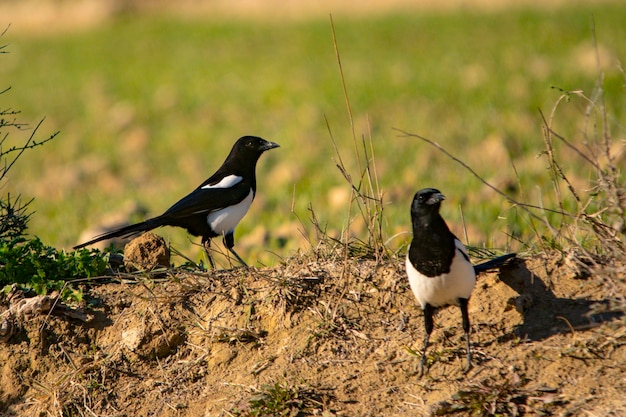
438 265
216 206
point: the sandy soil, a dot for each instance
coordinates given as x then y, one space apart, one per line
321 336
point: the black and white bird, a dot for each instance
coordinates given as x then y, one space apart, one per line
216 206
438 266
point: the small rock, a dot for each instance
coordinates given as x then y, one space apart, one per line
131 338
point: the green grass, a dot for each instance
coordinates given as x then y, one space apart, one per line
148 107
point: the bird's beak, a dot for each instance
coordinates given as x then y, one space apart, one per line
270 145
436 198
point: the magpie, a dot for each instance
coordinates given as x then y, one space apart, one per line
216 206
438 266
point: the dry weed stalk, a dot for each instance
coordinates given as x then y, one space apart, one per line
365 189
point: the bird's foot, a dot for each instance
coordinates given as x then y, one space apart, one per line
241 261
468 366
423 369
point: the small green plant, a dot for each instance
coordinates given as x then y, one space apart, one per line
508 397
280 400
35 265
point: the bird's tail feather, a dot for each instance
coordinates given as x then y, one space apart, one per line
493 263
125 231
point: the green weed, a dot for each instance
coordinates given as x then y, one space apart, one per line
505 397
43 268
281 400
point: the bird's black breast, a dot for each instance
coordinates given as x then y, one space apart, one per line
432 251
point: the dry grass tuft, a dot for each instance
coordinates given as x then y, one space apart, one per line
366 196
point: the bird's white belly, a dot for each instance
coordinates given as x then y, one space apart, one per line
225 220
445 289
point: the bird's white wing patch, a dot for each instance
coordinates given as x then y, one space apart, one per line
226 182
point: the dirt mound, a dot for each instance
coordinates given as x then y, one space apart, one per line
321 336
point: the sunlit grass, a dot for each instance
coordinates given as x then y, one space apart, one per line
149 107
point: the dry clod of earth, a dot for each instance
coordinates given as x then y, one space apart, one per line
146 252
320 336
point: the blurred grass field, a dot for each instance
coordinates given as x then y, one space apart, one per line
148 106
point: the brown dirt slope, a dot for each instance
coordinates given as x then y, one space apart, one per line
321 336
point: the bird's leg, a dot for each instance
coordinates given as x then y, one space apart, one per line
428 326
206 244
229 242
466 327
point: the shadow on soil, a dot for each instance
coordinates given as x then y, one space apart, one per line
544 313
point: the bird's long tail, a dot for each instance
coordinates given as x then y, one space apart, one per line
125 231
493 263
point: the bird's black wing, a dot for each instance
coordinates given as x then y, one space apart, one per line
206 200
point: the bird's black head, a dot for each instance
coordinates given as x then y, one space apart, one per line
427 200
253 145
245 154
